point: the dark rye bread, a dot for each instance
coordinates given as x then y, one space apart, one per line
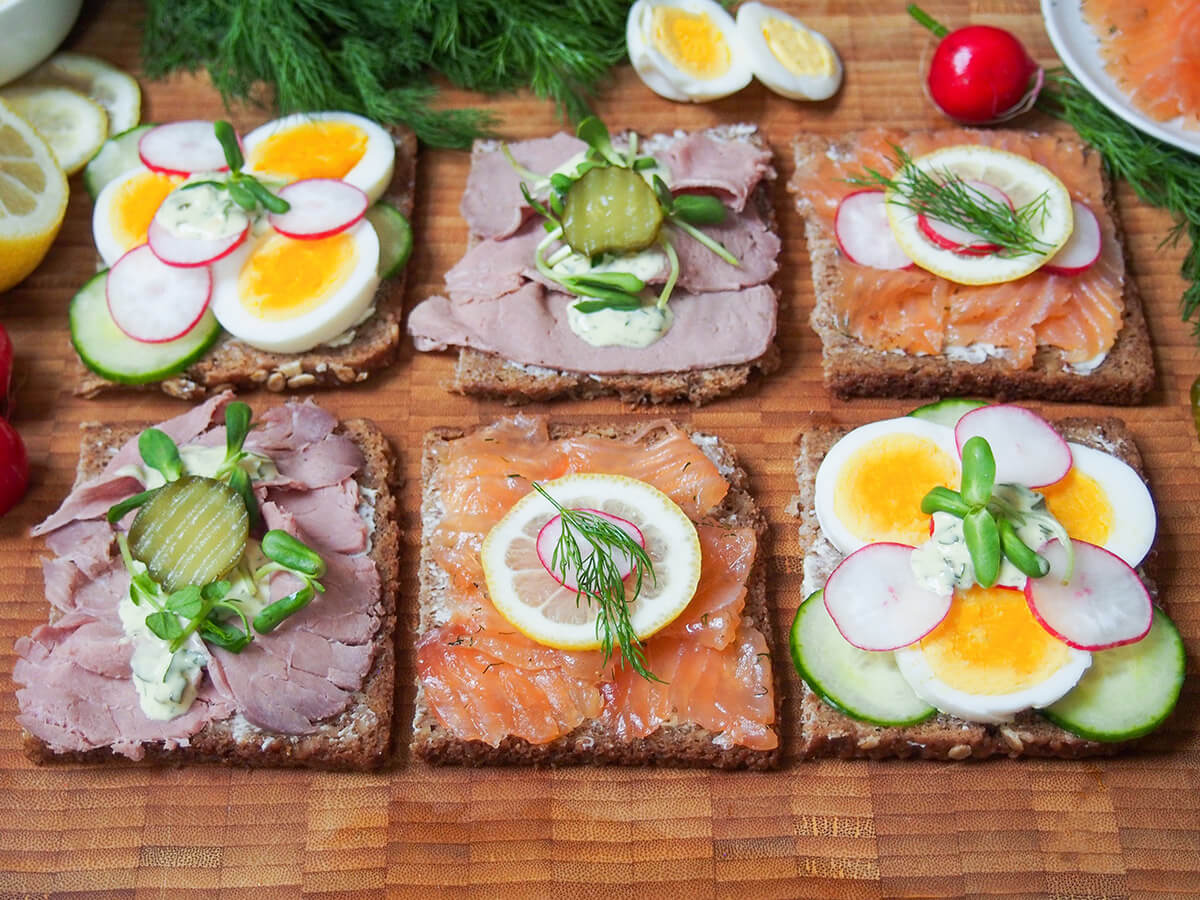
230 363
357 739
824 731
488 375
852 369
685 744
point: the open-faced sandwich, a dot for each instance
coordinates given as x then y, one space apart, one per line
612 266
220 591
275 259
962 261
976 586
591 594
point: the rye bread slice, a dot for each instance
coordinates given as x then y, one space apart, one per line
683 744
231 363
823 731
483 374
360 737
852 369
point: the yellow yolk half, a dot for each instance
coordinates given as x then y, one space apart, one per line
316 149
691 42
286 278
135 204
1081 506
989 643
796 49
880 487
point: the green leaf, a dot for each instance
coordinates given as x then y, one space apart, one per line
699 209
942 499
160 453
644 162
616 301
281 547
560 182
164 625
595 134
215 591
978 471
620 281
237 426
242 197
536 205
186 601
224 636
229 145
240 482
117 511
983 544
665 198
611 298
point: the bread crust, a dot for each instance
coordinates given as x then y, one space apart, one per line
681 745
231 363
824 731
851 369
358 738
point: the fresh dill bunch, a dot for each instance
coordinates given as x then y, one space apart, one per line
599 579
948 198
1160 174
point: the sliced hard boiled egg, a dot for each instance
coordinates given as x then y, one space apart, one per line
686 49
324 145
989 659
286 295
788 56
125 208
870 484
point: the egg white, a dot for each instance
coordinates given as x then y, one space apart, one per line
1135 521
372 174
770 70
109 244
666 79
344 308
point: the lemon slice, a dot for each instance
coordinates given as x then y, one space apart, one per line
113 89
74 126
529 597
33 198
1023 180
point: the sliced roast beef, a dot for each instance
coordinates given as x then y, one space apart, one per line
326 516
702 161
492 204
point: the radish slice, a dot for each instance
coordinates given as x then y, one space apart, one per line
185 252
876 601
1104 605
1082 248
320 207
1028 450
181 148
959 240
548 537
864 234
153 302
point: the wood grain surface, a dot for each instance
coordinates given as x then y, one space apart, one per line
1126 827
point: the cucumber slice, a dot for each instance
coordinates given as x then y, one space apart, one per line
1128 691
395 238
861 683
109 352
947 411
118 155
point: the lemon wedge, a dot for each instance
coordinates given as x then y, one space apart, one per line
106 85
74 126
1021 179
526 594
33 198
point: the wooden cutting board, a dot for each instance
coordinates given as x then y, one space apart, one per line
1109 828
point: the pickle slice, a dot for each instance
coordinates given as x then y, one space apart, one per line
193 531
610 210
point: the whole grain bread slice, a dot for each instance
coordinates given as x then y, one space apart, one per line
824 731
682 744
232 363
852 369
358 738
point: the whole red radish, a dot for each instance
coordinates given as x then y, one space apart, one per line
14 467
6 361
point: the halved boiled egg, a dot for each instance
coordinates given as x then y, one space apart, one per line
788 56
323 145
125 208
286 295
870 484
989 659
686 49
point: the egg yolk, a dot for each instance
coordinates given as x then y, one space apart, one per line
286 278
1081 506
796 49
879 491
135 204
990 643
317 149
690 41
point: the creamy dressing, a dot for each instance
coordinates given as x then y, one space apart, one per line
1087 366
621 327
203 212
202 461
644 264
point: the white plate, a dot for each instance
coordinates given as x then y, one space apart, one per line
1079 48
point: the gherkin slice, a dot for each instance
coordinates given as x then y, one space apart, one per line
610 210
193 531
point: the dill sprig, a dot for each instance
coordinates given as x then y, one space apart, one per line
1160 174
948 198
377 58
598 578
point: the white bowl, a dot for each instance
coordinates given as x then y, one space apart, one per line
30 30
